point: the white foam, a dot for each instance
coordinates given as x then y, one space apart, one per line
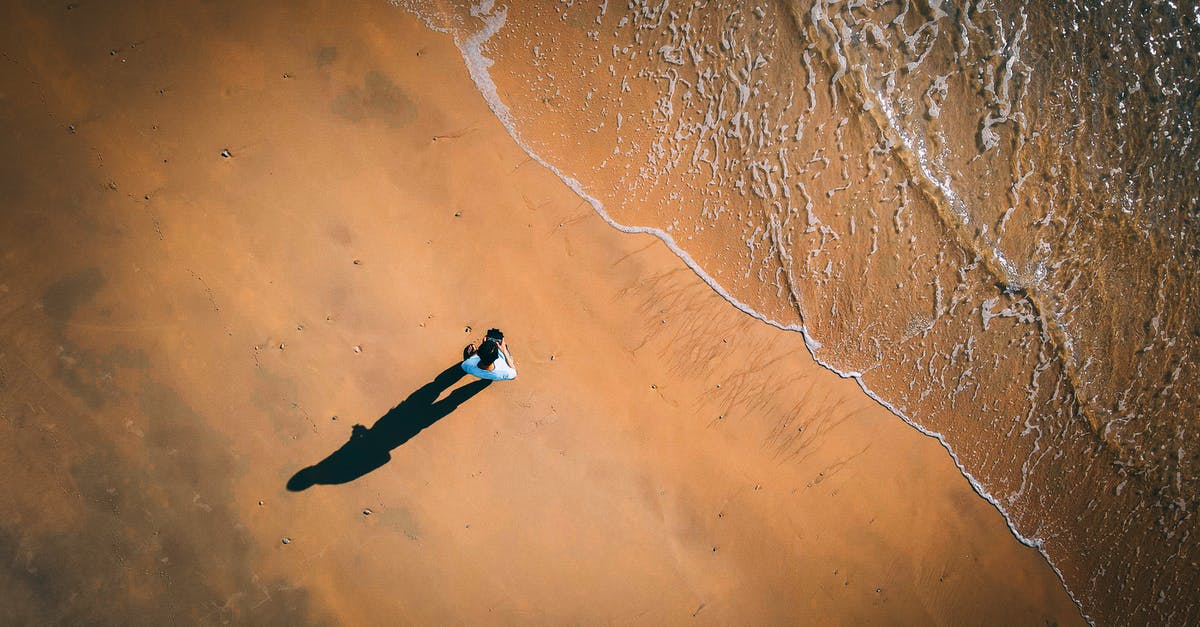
478 65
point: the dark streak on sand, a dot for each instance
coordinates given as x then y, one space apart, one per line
379 98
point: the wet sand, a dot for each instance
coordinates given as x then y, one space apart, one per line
184 329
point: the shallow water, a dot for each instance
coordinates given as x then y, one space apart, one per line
988 214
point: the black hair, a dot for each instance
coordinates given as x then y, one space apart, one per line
488 352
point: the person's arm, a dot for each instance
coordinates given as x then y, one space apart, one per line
507 355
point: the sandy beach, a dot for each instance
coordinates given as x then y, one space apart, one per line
232 233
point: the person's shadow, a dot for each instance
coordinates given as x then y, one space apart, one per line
369 449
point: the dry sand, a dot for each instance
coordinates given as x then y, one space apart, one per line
179 329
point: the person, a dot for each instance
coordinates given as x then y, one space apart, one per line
490 361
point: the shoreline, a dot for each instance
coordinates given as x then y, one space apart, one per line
477 65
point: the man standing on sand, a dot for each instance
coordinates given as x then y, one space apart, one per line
491 360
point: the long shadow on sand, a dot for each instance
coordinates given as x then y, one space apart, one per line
369 449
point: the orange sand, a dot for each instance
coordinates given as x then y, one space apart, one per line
178 330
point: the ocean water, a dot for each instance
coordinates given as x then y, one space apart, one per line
987 213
